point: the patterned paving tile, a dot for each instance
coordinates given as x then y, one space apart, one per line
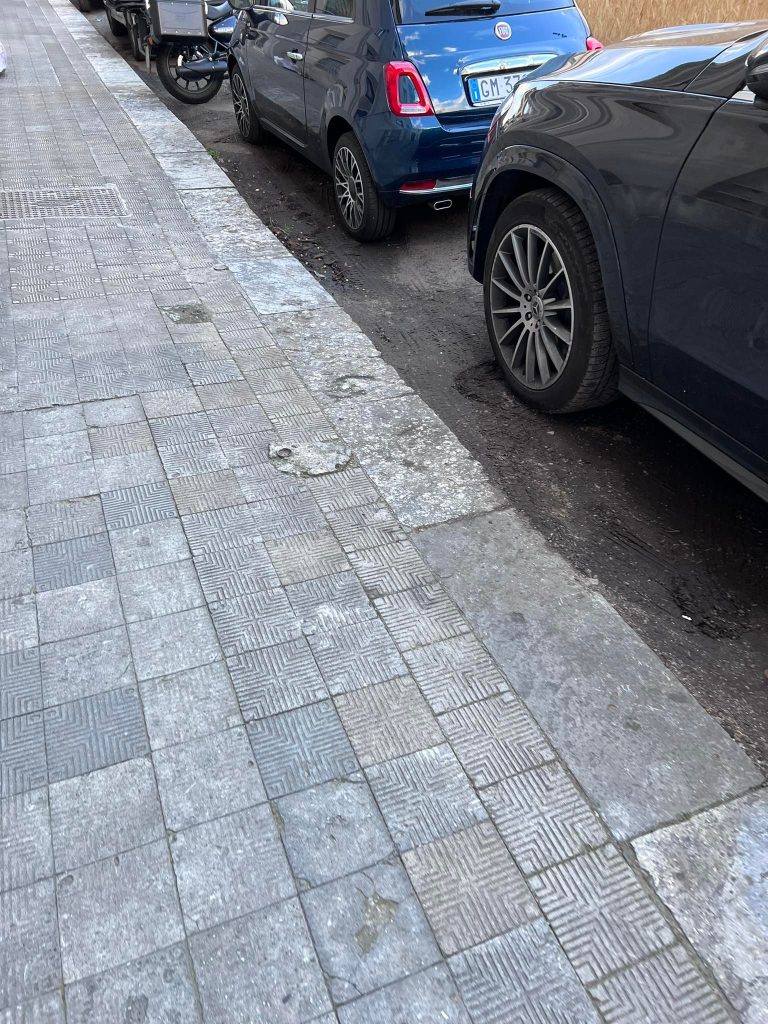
306 556
20 682
207 491
276 679
600 913
430 995
469 887
543 817
64 520
329 602
78 610
230 867
287 516
388 720
160 590
70 562
25 840
235 571
424 796
253 621
136 506
301 748
221 528
16 573
94 732
30 963
390 568
455 672
107 442
667 987
365 526
22 754
85 665
495 738
421 616
356 655
18 624
350 488
521 978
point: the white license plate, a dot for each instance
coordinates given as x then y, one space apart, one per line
492 88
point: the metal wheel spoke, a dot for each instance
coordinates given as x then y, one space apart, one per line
506 289
513 276
557 329
530 360
555 305
552 280
530 249
541 362
552 351
520 257
544 250
515 325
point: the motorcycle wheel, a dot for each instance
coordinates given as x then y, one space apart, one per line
135 37
84 6
193 90
117 28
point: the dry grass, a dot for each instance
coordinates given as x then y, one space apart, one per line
614 19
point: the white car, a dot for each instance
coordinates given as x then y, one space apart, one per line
3 59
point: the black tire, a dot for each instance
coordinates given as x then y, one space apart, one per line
589 377
375 220
84 6
117 28
135 33
166 57
247 119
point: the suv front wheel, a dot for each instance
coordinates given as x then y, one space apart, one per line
363 212
545 306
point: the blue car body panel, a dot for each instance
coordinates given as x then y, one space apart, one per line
338 82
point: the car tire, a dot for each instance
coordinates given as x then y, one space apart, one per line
363 213
84 6
548 323
248 124
117 28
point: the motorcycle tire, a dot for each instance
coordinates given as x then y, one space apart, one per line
84 6
134 38
117 28
166 58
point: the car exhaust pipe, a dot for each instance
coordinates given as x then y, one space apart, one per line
202 68
442 204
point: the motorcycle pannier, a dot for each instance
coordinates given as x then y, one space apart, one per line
178 18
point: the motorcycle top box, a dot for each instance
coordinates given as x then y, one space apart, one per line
178 19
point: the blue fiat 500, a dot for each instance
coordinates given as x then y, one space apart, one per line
393 97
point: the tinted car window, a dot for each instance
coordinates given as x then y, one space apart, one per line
416 12
285 5
340 8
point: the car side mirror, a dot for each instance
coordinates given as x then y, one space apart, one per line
242 5
757 73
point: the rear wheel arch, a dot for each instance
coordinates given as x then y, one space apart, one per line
511 183
336 127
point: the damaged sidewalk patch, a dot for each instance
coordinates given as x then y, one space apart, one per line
306 459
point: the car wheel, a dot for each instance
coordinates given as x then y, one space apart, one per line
545 306
117 28
363 212
84 6
247 121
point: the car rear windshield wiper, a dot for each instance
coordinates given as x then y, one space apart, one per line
472 7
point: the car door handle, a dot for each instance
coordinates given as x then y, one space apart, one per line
295 56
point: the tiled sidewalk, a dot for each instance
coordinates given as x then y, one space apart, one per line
255 763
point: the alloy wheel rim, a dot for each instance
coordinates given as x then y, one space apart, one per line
348 180
532 307
189 84
240 102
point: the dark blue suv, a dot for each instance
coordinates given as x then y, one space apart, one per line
393 97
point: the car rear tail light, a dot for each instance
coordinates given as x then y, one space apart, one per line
594 44
406 93
419 186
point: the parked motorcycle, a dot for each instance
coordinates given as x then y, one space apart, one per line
192 46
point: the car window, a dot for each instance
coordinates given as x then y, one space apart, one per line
421 12
285 5
339 8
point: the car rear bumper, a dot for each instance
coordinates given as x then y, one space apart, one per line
416 159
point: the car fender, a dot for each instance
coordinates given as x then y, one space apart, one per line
523 168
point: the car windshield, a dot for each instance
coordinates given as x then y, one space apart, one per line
421 12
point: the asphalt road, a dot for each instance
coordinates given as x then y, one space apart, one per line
672 542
